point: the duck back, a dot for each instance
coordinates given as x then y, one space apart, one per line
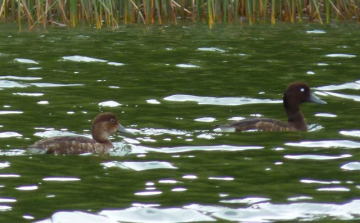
261 124
69 145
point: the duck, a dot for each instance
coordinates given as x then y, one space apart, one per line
104 125
295 94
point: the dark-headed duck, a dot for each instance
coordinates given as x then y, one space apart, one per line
295 94
104 125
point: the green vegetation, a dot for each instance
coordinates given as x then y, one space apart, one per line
112 13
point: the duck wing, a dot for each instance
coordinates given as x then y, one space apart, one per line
68 145
261 124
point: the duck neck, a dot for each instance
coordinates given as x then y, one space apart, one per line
295 117
100 136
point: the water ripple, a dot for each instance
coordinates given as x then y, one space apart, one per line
109 104
351 166
4 165
148 193
14 84
11 84
256 212
248 200
55 85
205 119
347 144
354 133
338 189
308 181
7 200
211 49
187 66
265 212
29 94
26 61
327 115
76 217
346 96
340 55
116 64
316 31
61 179
228 101
153 101
351 86
20 78
78 58
13 152
182 149
139 166
5 208
222 178
316 157
156 215
9 134
26 188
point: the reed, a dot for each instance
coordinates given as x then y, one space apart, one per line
112 13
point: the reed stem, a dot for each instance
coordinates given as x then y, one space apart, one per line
111 13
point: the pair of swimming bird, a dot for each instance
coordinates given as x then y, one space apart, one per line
107 124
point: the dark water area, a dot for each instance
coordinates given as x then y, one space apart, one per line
171 86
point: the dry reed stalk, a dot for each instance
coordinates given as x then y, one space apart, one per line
111 13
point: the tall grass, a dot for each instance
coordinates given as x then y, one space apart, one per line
112 13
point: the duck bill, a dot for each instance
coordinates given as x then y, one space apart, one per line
123 130
315 99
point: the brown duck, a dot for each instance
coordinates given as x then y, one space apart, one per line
295 94
104 125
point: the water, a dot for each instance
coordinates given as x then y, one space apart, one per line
170 86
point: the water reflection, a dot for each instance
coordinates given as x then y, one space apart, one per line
14 84
227 101
26 61
316 157
350 85
346 96
340 55
261 211
351 166
10 134
346 144
27 188
78 58
187 66
211 49
247 200
182 149
305 211
139 166
61 179
133 214
20 78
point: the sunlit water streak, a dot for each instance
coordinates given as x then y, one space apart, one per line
351 85
139 166
258 212
229 101
345 144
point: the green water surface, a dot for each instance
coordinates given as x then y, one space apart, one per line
171 86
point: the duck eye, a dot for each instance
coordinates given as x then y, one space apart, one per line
112 120
302 89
